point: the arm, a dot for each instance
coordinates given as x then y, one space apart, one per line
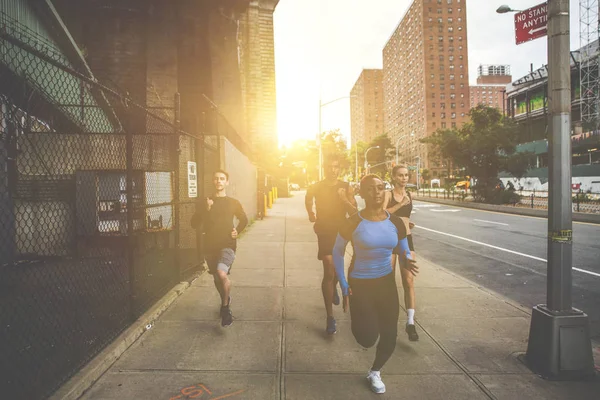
352 204
308 203
393 208
339 250
199 217
346 196
240 214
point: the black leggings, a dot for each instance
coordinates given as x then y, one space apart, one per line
374 310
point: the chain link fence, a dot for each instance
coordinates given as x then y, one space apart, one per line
95 210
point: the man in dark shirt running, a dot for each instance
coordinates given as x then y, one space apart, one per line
220 242
333 199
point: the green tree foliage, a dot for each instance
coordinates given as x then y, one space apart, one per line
379 158
484 147
334 144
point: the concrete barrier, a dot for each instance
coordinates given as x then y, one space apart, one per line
532 212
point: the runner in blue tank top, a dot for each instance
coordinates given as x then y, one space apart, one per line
370 290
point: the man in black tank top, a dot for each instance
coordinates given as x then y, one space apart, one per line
333 200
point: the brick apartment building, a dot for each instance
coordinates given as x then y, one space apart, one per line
426 76
366 106
491 86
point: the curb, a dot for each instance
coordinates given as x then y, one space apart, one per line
493 293
85 378
531 212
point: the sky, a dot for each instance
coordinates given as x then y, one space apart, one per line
321 47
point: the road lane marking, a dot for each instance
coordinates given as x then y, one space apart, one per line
490 222
503 249
444 210
509 214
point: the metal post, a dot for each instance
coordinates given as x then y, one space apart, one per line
355 161
559 338
319 144
130 214
176 185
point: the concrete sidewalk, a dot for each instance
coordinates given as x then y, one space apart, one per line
276 348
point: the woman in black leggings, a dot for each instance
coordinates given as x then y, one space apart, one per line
371 292
399 202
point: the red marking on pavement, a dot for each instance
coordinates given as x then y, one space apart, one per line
197 391
228 395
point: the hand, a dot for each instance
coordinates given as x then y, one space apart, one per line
411 225
346 304
234 233
209 204
312 217
410 265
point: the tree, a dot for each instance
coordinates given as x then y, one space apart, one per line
334 144
484 147
378 158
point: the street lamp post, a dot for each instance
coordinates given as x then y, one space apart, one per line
418 169
367 152
559 336
397 142
321 105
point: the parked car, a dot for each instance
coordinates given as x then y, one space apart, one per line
294 186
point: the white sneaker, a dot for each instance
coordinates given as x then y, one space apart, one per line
377 385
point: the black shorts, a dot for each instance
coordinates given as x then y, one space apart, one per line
221 260
326 242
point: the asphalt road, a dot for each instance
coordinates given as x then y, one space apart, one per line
507 253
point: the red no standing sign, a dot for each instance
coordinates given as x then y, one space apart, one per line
531 23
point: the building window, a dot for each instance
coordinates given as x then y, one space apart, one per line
433 95
449 20
453 115
442 105
449 11
432 115
443 125
462 105
442 96
452 95
440 38
452 105
452 86
451 58
443 115
432 105
439 10
450 29
462 114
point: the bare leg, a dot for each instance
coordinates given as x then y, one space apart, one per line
408 284
223 285
328 283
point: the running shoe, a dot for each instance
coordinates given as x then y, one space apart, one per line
411 330
336 296
226 316
377 385
331 326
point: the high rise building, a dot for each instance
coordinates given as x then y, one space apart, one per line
366 106
426 77
491 86
256 55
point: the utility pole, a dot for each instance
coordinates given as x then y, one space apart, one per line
559 337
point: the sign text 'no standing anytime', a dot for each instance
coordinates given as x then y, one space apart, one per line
531 23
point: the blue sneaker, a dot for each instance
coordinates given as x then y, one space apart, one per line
336 296
331 327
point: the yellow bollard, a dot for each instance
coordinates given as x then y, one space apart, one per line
276 193
265 206
270 200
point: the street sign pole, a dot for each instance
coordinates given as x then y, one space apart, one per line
559 338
